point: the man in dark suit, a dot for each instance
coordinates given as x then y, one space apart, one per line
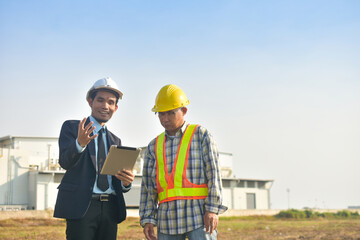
92 203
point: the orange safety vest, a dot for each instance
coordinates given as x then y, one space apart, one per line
176 186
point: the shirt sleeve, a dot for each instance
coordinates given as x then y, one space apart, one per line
149 197
126 189
78 147
213 203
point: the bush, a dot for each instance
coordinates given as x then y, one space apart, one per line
325 215
346 214
343 214
309 213
292 213
297 214
355 214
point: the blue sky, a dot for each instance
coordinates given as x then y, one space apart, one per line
276 82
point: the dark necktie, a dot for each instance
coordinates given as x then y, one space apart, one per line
102 181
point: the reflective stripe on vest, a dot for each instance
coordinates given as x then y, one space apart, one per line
176 186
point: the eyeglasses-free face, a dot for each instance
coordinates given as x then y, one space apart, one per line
172 120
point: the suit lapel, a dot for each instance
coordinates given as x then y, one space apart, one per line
110 139
91 147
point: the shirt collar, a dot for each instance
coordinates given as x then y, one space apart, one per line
96 125
179 133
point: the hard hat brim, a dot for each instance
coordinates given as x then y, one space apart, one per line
167 108
116 91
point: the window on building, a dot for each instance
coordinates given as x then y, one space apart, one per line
226 184
261 185
240 184
251 184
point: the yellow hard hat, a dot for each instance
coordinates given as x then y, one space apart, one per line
170 97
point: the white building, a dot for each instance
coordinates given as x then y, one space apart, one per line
24 163
30 175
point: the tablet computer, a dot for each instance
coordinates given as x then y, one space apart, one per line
119 158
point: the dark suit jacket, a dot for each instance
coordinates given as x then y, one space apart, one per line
76 187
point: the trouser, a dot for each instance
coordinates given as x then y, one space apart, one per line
99 222
197 234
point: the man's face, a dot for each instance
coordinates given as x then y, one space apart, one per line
103 106
172 120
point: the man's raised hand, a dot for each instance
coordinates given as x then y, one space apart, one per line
84 133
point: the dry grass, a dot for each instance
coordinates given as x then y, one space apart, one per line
247 228
270 228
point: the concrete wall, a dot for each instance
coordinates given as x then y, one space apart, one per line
235 198
13 177
39 151
43 189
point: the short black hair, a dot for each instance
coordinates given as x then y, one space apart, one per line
93 93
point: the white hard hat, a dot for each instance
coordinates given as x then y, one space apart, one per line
105 83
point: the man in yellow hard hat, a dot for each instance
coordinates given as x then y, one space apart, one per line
181 185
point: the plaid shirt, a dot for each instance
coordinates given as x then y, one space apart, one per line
181 216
